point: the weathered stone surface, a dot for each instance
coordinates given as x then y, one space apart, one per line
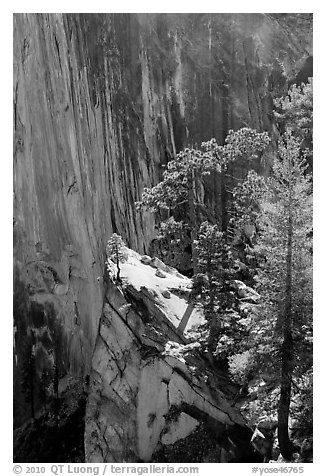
158 264
141 398
145 259
246 293
166 294
179 429
262 444
159 273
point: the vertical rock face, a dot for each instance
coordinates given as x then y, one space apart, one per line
101 102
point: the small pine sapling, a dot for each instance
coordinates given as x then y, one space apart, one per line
116 251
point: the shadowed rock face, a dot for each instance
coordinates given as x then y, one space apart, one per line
101 102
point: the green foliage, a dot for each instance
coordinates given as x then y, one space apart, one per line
274 217
212 284
174 233
281 330
289 192
268 348
210 246
247 198
172 191
179 191
212 251
303 404
295 111
116 251
271 354
244 143
240 366
245 213
173 230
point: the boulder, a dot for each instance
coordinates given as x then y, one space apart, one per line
158 264
166 294
159 273
262 444
145 259
245 292
265 441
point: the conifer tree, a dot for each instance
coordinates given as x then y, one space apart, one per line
247 198
116 251
294 112
179 189
212 281
284 279
245 213
246 144
182 182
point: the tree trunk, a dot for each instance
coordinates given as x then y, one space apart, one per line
224 212
118 270
193 237
214 322
192 219
286 446
186 316
214 331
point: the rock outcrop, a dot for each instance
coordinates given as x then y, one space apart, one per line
148 385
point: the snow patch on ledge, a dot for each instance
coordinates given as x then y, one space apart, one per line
139 275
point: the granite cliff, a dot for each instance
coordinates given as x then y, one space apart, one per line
101 102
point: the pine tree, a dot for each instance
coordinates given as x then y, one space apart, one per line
244 144
295 112
181 187
247 197
212 282
182 182
116 251
285 277
245 213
